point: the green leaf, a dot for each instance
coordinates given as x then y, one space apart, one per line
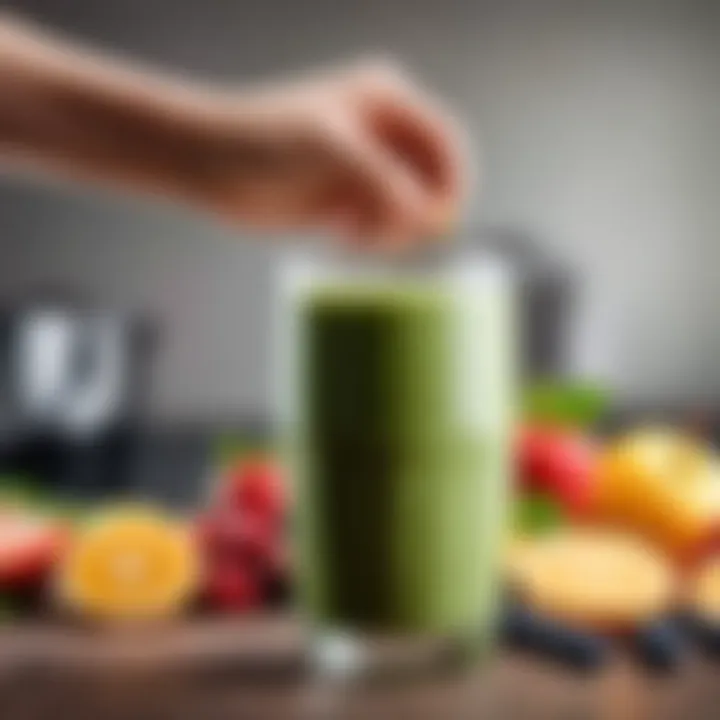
230 448
16 490
27 493
537 514
564 403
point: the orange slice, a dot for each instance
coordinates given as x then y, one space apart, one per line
130 563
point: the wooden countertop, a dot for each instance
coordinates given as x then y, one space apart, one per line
250 668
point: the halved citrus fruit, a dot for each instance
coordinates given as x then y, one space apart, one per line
130 563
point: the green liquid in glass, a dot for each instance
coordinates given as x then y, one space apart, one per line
401 501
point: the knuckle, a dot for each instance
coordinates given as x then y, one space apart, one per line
332 131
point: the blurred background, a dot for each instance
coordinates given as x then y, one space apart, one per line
595 125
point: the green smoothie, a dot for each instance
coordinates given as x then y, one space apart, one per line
401 466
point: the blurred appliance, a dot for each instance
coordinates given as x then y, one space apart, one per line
73 379
546 292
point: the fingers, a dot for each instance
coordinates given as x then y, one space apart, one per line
381 201
429 150
421 136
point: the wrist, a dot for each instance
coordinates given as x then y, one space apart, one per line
220 142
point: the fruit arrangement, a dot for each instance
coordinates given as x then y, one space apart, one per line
138 562
611 539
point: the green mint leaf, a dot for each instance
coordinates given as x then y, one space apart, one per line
537 514
564 403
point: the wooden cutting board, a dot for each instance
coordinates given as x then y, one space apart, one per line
251 668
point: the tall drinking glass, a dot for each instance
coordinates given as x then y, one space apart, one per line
395 387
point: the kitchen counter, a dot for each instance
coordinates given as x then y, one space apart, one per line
250 668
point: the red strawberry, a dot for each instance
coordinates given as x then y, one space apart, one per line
257 488
560 462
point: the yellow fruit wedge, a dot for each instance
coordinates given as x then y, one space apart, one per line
591 578
130 563
663 485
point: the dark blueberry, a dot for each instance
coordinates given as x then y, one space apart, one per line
706 633
525 630
711 636
660 645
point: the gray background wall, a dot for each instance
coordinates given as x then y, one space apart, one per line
599 126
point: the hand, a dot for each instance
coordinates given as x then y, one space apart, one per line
363 153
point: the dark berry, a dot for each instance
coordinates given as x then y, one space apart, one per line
524 630
660 645
233 534
277 578
232 588
706 632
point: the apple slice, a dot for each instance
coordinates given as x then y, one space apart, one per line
30 546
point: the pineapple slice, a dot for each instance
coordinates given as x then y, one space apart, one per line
592 578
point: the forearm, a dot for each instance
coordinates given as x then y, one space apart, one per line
95 117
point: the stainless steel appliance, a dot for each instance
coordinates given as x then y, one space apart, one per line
73 381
